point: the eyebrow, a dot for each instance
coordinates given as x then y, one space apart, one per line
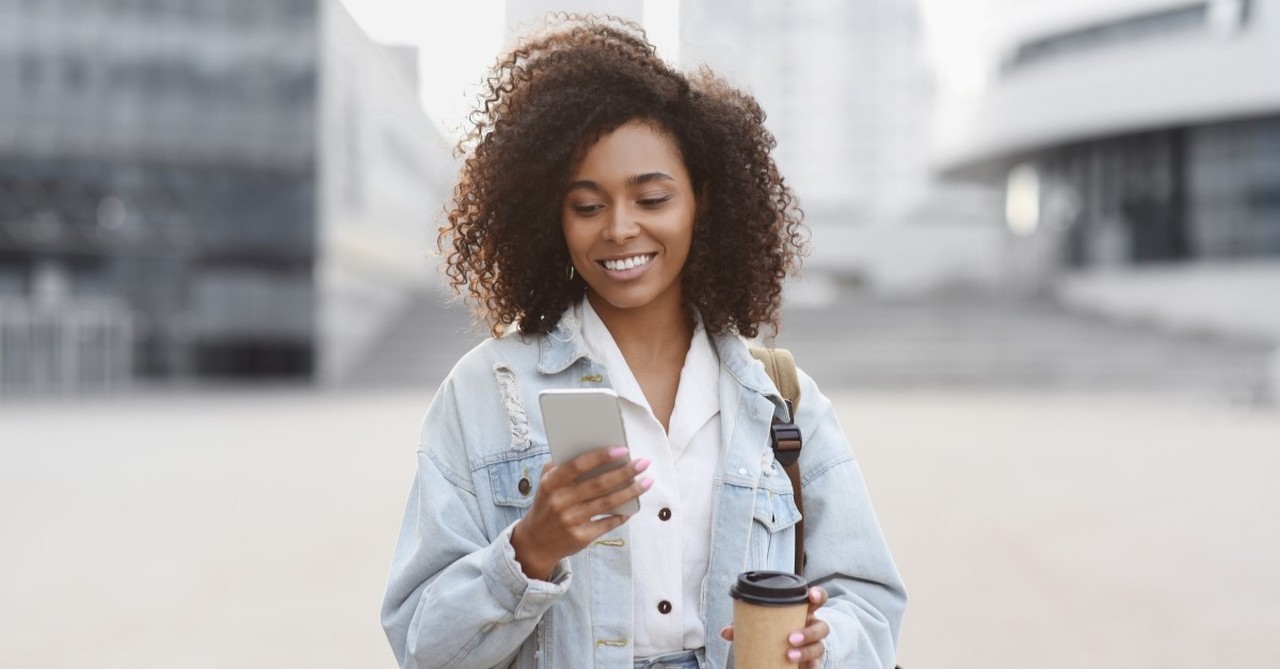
633 180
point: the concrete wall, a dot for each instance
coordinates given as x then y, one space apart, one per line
1236 299
907 260
384 176
1169 80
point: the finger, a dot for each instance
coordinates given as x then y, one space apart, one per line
607 503
817 598
612 480
592 459
810 653
568 472
813 633
727 633
599 527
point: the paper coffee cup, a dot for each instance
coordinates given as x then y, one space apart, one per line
767 607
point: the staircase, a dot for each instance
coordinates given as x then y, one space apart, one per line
984 342
971 342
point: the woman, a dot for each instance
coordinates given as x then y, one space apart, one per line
622 225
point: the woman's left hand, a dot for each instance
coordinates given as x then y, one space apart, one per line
806 644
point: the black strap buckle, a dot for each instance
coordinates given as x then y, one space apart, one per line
786 441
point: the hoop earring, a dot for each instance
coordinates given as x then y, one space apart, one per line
570 272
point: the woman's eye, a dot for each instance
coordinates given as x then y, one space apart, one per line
654 201
586 209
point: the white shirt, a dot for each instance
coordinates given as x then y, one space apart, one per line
669 557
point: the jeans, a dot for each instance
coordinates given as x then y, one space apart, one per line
685 659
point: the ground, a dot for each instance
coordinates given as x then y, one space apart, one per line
254 528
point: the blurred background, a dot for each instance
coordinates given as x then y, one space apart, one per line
1043 294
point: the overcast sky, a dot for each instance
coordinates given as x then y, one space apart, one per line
459 40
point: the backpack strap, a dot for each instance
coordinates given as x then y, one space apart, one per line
785 437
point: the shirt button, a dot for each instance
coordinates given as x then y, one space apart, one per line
664 514
742 471
664 607
523 486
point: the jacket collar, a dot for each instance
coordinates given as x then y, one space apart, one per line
563 345
736 359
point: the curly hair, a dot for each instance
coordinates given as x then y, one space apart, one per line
548 100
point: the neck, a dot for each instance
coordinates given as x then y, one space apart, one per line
650 334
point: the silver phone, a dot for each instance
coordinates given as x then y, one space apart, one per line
584 419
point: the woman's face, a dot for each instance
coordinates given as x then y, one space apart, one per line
628 219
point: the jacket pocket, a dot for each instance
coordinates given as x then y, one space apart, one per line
776 516
776 510
514 483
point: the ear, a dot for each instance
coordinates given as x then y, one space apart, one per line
702 201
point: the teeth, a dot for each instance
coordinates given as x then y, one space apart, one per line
627 263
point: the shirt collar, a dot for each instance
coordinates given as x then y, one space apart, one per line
601 346
697 396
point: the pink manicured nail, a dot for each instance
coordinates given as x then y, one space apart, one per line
617 452
796 638
793 654
642 464
646 483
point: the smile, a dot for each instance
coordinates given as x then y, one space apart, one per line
621 264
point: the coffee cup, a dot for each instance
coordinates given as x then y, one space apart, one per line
767 607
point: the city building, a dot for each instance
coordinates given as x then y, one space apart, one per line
1139 145
224 188
848 91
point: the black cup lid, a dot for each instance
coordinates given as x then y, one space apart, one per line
770 588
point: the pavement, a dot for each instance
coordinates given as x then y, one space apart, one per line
254 528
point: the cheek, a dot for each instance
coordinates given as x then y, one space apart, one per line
573 237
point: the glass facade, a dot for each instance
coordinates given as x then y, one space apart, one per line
1204 192
163 152
1233 173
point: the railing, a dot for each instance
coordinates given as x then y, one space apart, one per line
74 347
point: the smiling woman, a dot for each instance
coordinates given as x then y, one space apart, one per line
551 100
622 227
628 221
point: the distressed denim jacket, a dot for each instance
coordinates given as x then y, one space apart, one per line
456 597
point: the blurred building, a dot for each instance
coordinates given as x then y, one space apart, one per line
224 188
1139 142
849 93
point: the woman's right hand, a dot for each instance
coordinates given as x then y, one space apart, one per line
559 522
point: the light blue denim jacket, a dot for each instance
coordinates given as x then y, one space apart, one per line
456 597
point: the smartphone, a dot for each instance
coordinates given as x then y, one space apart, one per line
584 419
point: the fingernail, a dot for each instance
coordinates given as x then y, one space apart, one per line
796 638
793 654
646 483
642 464
617 451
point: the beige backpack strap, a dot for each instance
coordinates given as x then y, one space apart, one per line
781 366
786 437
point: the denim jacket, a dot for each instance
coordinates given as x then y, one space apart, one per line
456 597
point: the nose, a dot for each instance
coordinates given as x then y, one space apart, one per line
621 226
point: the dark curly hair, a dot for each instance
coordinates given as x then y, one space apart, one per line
552 97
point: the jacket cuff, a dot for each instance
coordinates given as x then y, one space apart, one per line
524 597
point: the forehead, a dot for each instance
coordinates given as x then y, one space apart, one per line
631 148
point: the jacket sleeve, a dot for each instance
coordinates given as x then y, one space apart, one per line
454 598
845 546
